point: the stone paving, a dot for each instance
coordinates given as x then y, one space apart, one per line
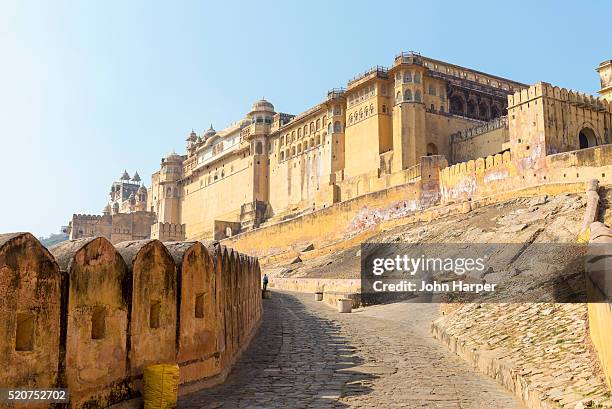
306 355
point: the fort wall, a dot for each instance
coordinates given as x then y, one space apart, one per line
483 177
89 316
480 141
348 218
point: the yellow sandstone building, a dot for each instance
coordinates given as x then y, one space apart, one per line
271 166
370 136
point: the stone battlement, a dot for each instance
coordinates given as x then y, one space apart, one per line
88 217
168 231
85 297
477 164
544 89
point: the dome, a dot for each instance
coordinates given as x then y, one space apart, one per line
174 157
262 106
107 209
192 136
210 132
142 189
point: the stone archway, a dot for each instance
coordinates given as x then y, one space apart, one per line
586 138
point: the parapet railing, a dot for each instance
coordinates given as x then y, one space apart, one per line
335 93
379 70
497 123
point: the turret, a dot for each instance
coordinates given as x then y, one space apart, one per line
169 188
605 75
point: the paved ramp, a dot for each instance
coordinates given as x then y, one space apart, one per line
306 355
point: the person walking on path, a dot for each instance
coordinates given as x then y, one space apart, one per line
265 282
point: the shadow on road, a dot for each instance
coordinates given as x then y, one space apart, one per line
296 360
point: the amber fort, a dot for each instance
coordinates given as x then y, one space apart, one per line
420 151
380 131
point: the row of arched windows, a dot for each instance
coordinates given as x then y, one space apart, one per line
336 128
303 131
408 96
407 76
301 147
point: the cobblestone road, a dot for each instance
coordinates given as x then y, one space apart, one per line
306 355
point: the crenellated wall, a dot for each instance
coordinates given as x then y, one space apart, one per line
502 173
168 231
89 315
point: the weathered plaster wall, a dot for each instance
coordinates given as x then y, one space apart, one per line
97 337
30 284
483 177
97 320
345 219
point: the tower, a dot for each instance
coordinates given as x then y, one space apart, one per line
605 75
408 111
261 115
169 189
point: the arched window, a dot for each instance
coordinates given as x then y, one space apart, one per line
398 76
311 144
258 148
305 131
417 77
318 139
337 126
361 113
329 128
350 118
312 127
398 96
432 149
494 112
407 76
282 141
168 192
472 108
587 138
299 149
299 134
318 124
407 95
417 95
292 137
442 93
384 109
282 155
432 90
293 151
371 109
457 106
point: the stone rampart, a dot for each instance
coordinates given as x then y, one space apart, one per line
493 175
30 305
90 316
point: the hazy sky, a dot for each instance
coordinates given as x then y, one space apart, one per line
90 88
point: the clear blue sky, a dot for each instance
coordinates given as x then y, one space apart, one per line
90 88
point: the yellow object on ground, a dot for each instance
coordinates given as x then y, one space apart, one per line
584 236
161 386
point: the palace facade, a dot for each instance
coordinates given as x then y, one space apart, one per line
369 136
